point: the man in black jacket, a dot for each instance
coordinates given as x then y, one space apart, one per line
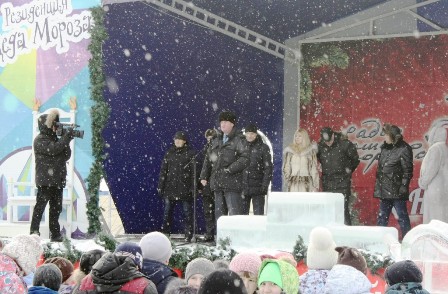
51 154
258 175
223 167
394 173
339 159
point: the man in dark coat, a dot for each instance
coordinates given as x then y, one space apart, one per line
223 167
176 183
51 154
339 159
393 176
258 175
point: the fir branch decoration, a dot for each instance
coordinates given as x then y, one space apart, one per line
318 55
299 251
67 251
100 114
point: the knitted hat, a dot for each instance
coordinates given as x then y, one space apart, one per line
199 265
63 264
320 253
156 246
181 136
403 272
48 275
222 281
271 273
251 128
326 133
352 257
221 264
25 250
286 256
131 250
227 116
245 262
88 259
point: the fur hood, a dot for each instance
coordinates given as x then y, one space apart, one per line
394 132
46 121
438 134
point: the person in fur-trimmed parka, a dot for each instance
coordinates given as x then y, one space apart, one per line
434 177
51 154
394 173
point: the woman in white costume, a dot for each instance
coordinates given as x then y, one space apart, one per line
300 164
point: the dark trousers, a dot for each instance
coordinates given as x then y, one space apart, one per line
208 203
386 206
257 204
187 216
228 202
45 195
347 193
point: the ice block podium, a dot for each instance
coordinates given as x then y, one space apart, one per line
427 246
290 214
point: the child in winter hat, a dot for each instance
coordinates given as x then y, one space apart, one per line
25 250
222 281
131 250
156 246
247 265
321 256
197 270
47 277
404 277
352 257
64 265
277 276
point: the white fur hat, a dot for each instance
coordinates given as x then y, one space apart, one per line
25 250
321 252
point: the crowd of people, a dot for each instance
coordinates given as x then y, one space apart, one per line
143 268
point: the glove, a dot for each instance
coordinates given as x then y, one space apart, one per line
403 192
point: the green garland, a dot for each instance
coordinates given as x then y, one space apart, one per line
100 114
317 55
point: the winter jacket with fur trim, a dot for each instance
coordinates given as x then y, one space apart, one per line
225 162
394 172
176 174
51 154
338 162
258 175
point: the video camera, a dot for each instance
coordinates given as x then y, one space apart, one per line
62 128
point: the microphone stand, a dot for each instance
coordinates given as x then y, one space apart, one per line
195 188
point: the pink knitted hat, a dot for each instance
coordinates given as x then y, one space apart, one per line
245 262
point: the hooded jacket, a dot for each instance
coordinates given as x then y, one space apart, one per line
176 173
11 277
114 273
345 279
395 170
51 153
406 288
433 177
313 281
225 162
258 175
160 274
338 162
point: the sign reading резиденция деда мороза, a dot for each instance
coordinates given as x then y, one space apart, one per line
40 24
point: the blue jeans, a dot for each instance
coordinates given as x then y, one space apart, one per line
257 204
386 206
228 202
187 215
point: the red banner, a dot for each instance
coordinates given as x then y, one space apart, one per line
403 81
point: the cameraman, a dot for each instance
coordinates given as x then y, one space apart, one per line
51 154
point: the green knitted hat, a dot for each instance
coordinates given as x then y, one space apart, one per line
270 273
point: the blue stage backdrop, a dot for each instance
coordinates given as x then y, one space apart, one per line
166 74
